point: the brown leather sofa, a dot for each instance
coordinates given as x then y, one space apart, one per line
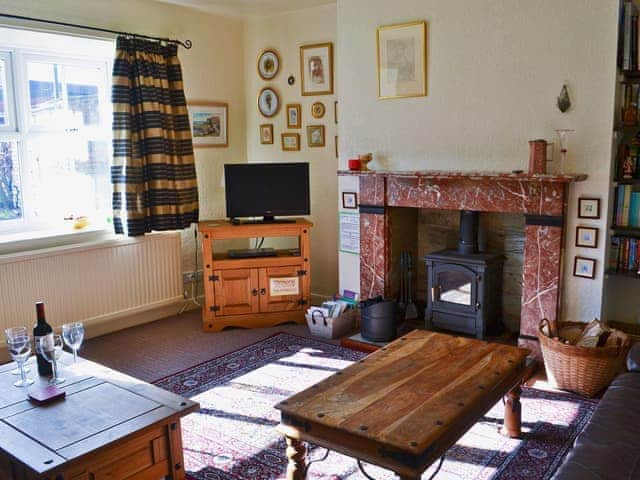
609 446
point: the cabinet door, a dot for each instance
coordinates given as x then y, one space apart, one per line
280 289
236 291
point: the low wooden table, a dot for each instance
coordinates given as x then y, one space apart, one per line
405 405
109 426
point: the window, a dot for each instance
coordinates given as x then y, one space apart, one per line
55 132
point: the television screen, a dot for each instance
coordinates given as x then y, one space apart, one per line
267 189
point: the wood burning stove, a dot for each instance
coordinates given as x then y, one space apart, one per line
464 286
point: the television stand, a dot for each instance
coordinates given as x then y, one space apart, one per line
253 289
263 220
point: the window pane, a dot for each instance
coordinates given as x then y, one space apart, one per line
10 189
64 96
71 177
4 111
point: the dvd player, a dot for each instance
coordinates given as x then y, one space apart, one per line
252 253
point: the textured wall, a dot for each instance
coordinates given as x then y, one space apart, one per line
495 68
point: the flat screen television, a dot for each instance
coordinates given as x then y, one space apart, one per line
267 190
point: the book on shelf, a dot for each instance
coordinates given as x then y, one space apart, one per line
624 255
628 36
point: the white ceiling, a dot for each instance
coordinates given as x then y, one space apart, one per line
249 8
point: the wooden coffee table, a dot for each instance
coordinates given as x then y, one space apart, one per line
405 405
109 426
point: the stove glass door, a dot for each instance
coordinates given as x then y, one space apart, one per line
454 285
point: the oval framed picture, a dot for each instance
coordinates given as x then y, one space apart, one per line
268 64
268 102
317 110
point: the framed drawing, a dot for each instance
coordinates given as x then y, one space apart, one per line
209 124
315 135
335 112
316 69
336 140
589 208
587 237
266 134
290 142
350 200
268 102
294 119
584 267
268 64
317 110
402 60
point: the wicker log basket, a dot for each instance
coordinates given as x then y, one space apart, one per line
583 370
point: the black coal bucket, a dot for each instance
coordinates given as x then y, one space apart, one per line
378 320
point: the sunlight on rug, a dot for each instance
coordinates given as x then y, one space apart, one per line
233 436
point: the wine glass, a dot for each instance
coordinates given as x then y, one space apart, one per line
20 349
50 347
73 334
563 134
17 332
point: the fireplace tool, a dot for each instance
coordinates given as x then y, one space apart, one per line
411 312
401 296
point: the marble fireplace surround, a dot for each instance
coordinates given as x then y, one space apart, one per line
542 199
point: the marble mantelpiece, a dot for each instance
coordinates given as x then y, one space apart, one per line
541 198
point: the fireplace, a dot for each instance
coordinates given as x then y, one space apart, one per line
464 286
387 199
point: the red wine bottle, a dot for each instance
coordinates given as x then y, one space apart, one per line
41 329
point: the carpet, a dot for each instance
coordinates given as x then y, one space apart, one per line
233 436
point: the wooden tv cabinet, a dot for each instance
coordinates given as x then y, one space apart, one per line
260 291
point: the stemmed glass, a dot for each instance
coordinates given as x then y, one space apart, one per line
17 332
20 349
73 335
563 134
50 347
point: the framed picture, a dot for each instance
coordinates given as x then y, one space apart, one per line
336 140
268 64
335 112
290 142
587 237
316 69
268 102
294 119
209 124
589 208
349 200
317 110
584 267
315 135
402 60
266 134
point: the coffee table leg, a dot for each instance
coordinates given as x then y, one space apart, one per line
295 453
513 414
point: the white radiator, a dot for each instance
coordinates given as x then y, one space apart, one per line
91 283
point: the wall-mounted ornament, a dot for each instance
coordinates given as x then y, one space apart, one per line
291 80
317 110
564 102
268 64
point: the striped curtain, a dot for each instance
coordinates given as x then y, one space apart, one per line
153 171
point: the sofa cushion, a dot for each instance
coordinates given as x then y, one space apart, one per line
633 358
609 446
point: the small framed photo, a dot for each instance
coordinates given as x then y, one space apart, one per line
266 134
335 112
316 69
268 102
589 208
317 110
290 142
293 115
268 64
349 200
587 237
336 141
209 124
315 135
584 267
402 60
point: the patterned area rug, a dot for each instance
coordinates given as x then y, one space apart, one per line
233 436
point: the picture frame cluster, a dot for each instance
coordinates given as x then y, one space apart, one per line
586 236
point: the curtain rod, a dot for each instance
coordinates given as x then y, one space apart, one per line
186 44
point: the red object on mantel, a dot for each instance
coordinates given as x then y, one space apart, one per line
354 164
538 156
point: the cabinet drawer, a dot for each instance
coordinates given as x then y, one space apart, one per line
281 288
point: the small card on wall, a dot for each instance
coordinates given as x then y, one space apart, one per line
349 232
279 287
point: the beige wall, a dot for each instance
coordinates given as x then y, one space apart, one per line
495 68
285 33
212 70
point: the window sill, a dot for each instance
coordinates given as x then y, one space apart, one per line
45 239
